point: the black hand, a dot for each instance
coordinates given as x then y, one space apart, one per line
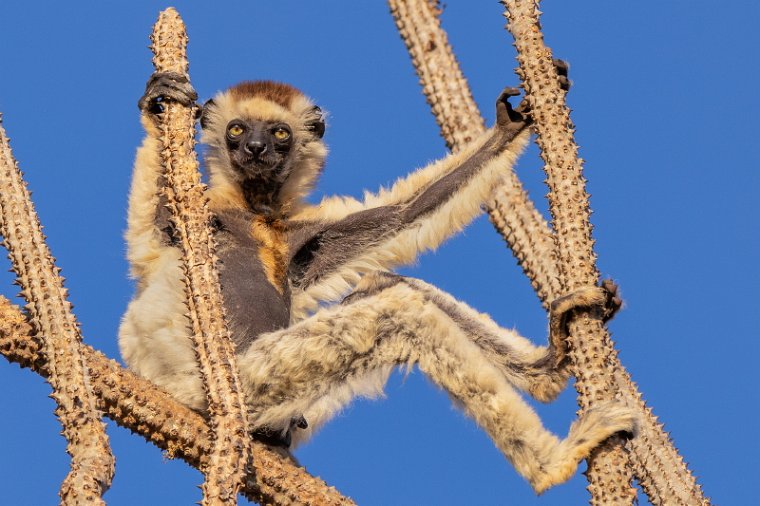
163 87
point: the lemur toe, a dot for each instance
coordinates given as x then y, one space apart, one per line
564 83
626 435
272 437
613 301
562 68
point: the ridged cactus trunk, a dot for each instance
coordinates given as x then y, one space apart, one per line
92 464
609 471
658 466
510 209
136 404
230 454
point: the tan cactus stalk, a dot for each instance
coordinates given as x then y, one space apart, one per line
657 464
443 83
659 468
138 405
609 471
92 464
230 454
510 209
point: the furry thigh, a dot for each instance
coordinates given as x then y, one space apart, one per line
320 364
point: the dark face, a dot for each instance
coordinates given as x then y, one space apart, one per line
259 149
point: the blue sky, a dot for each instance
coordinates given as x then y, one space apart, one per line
665 107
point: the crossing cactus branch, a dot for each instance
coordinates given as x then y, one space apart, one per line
510 209
92 464
658 466
140 406
230 454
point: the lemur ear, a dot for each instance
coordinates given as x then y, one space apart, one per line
205 112
316 125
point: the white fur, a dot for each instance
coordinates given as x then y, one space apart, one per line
424 235
321 362
311 150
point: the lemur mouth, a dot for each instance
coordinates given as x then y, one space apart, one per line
252 165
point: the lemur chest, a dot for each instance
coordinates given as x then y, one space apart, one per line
253 255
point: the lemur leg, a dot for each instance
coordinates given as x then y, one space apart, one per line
541 371
529 367
318 365
603 299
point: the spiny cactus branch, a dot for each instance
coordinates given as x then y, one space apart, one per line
442 81
658 466
609 471
140 406
662 472
230 455
510 209
92 464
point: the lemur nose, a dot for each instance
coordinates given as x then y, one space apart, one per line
256 148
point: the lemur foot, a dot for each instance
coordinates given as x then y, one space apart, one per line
277 437
163 87
614 302
595 425
604 298
272 437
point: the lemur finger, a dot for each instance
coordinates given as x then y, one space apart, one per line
509 91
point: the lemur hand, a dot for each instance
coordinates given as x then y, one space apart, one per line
604 298
510 118
509 121
163 87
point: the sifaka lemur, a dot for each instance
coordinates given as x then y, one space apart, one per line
282 261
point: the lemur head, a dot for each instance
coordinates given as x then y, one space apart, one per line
265 142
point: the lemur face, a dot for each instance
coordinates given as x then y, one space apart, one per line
264 142
258 149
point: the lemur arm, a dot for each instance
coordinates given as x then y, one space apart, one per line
406 188
149 229
328 259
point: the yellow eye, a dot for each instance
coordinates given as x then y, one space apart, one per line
235 130
281 134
